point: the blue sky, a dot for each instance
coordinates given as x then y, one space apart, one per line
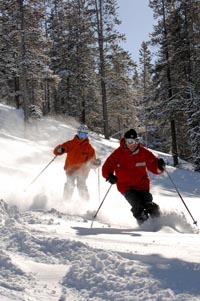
137 23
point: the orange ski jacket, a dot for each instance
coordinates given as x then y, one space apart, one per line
79 153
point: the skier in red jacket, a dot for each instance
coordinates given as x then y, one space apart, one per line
127 167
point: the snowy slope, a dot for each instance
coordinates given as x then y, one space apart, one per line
48 250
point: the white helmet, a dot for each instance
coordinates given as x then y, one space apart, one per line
83 129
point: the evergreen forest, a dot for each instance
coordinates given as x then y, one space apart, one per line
64 58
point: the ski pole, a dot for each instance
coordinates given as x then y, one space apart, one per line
194 222
40 173
100 205
99 183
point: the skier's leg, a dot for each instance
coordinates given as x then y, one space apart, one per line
138 210
69 187
151 207
82 187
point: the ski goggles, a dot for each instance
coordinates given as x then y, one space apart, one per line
82 135
132 141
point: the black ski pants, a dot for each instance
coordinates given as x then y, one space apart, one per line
142 201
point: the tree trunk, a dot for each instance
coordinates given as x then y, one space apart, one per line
23 75
99 14
170 94
16 80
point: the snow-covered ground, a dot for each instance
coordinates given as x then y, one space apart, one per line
48 250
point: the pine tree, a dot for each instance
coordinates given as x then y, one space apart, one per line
144 98
9 81
121 109
107 37
72 58
23 24
175 70
191 16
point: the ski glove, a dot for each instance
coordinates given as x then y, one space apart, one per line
112 179
60 150
161 164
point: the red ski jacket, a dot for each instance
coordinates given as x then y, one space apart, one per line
79 152
131 168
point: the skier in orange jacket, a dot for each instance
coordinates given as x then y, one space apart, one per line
81 157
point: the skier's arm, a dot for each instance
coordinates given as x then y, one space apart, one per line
153 163
61 149
110 164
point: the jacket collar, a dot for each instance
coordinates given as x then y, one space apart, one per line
81 141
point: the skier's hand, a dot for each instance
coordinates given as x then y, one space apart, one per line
60 150
112 179
97 162
161 164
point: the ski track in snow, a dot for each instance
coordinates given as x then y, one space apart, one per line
48 250
50 266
